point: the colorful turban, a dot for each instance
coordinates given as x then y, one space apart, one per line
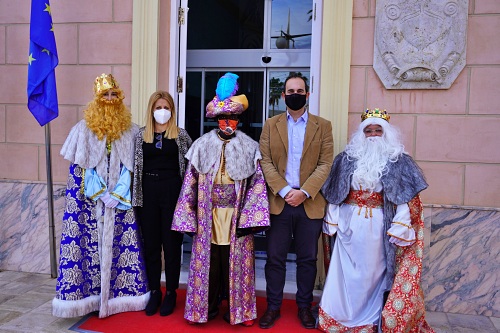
225 102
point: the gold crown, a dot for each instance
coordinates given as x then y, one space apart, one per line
375 113
104 82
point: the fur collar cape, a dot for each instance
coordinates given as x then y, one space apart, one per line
241 153
83 148
403 180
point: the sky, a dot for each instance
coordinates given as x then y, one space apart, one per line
299 23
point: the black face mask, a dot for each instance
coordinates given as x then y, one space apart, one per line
295 101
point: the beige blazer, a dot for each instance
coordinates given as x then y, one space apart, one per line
315 165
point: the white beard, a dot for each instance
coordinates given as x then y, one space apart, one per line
372 153
372 157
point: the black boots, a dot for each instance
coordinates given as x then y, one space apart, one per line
168 305
154 302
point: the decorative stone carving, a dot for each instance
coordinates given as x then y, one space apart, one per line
420 44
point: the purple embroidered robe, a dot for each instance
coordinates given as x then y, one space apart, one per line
101 267
193 214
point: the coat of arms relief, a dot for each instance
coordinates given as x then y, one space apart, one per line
420 44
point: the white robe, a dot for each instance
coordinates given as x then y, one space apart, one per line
353 292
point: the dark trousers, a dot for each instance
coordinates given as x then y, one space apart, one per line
292 222
218 280
160 198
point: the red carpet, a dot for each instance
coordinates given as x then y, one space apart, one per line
139 322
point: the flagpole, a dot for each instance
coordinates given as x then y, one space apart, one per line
50 200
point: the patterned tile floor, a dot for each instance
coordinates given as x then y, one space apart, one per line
25 305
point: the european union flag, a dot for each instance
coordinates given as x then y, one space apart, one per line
42 61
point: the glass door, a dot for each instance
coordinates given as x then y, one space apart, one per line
260 40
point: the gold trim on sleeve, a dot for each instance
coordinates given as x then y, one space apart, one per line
406 240
120 197
409 226
333 224
101 191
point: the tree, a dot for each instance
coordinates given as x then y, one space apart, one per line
275 90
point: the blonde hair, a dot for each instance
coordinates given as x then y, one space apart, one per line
172 131
108 118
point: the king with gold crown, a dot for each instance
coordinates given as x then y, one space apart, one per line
375 212
101 266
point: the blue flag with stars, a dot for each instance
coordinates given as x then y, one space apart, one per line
42 61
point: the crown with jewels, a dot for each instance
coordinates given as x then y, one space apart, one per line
104 82
375 113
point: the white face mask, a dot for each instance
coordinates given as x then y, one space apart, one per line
162 116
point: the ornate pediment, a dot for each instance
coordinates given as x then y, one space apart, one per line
420 44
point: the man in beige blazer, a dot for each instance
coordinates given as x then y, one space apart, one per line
297 154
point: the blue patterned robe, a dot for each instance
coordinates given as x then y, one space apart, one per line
101 266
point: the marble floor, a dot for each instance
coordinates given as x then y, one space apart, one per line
25 305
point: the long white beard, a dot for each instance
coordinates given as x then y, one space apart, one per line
372 157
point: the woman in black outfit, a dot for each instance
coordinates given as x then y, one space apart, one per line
159 168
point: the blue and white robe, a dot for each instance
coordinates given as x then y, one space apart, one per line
101 266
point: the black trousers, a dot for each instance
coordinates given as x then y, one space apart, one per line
218 280
160 197
292 222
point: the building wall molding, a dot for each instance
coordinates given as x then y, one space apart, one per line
335 68
145 23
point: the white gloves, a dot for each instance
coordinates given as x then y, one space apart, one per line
109 202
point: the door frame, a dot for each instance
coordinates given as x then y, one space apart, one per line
177 65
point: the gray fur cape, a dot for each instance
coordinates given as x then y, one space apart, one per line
403 180
241 153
